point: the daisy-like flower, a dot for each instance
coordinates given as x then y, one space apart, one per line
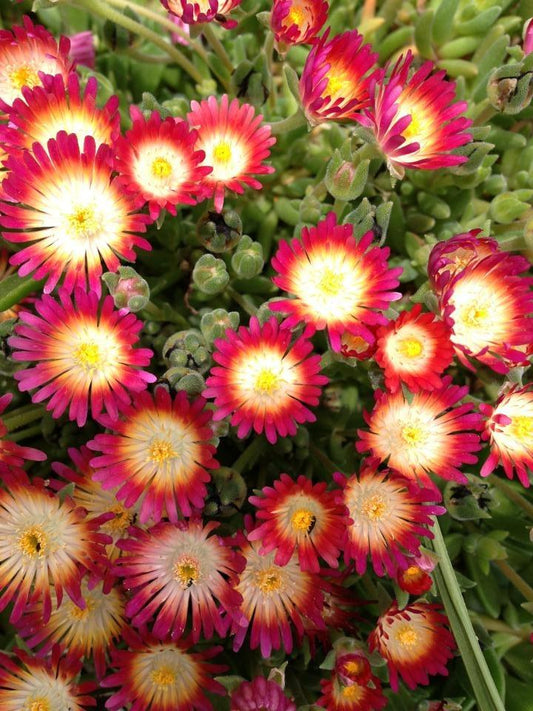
451 256
42 685
416 121
415 349
355 346
339 284
67 204
14 455
234 144
260 694
180 572
43 542
423 435
509 430
89 632
300 517
26 54
157 159
297 21
158 454
273 597
84 355
201 11
389 516
336 78
264 379
162 676
58 105
337 696
415 642
488 307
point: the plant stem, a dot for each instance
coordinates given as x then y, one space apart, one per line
328 463
158 19
245 303
513 495
297 120
499 626
217 47
25 434
250 455
514 578
108 13
22 416
475 664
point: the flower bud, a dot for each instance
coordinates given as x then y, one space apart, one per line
226 493
220 232
191 381
128 289
210 275
414 580
248 262
343 179
508 206
510 88
528 36
214 324
187 349
353 668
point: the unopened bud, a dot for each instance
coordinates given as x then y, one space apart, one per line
510 88
191 381
210 275
220 232
248 261
214 324
128 289
226 493
343 179
187 349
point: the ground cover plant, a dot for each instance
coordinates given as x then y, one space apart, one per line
266 414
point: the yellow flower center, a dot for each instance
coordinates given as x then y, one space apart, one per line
268 581
352 692
267 381
164 676
222 152
88 356
186 572
296 16
407 636
24 76
33 542
160 450
303 520
330 283
413 434
374 507
475 316
354 666
335 84
522 428
80 614
40 704
83 222
412 572
410 347
122 520
161 168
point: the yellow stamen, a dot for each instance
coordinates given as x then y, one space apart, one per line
122 520
222 152
83 222
268 581
40 704
80 614
407 636
160 450
475 316
296 16
330 283
24 76
412 572
352 692
33 542
354 667
267 381
161 168
521 428
186 572
164 676
88 356
412 434
410 347
374 507
303 520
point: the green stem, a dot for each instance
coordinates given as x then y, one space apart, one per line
14 288
108 13
245 303
498 626
22 416
515 579
25 434
158 19
152 312
217 47
297 120
328 463
250 455
476 667
513 495
146 58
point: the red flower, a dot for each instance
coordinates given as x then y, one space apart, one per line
389 515
415 642
352 697
425 434
416 121
297 21
336 78
414 349
263 380
156 159
158 455
260 694
509 429
414 580
200 11
13 455
339 284
84 354
234 145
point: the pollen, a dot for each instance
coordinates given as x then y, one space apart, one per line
354 667
222 152
33 542
79 613
330 283
40 704
407 636
413 434
83 223
410 347
164 676
120 522
24 75
303 520
475 316
88 356
187 572
352 692
268 581
374 507
160 450
522 428
267 381
296 16
161 168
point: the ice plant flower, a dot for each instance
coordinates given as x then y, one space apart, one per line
414 349
65 202
337 696
509 430
297 21
527 34
414 641
156 158
352 667
42 684
428 433
336 78
260 694
416 120
273 597
89 632
414 580
298 516
14 455
162 676
488 307
264 379
389 513
234 143
82 48
339 284
43 541
27 53
201 11
180 573
157 455
58 105
84 355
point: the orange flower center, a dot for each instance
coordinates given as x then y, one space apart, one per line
88 355
24 76
160 450
121 521
296 16
187 571
268 581
164 676
33 542
161 168
406 636
303 520
374 507
81 614
222 152
410 347
40 704
354 666
352 692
